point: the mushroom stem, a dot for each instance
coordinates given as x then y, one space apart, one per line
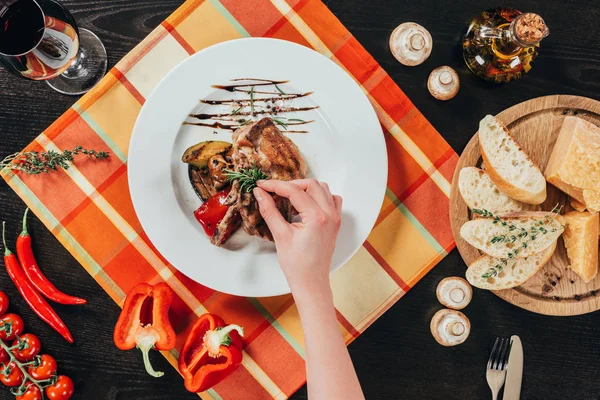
455 328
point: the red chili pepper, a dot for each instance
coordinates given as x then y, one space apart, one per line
144 322
36 302
212 351
212 211
35 276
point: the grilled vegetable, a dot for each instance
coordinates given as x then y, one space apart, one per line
199 154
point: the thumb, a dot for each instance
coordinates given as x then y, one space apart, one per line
275 221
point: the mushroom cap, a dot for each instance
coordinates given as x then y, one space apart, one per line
454 292
443 83
411 44
450 327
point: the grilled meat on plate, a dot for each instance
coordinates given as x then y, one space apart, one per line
262 144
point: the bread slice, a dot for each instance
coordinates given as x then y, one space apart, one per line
581 241
516 235
480 192
497 274
508 165
574 165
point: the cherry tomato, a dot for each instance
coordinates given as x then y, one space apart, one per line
31 393
15 329
30 348
4 358
62 390
3 303
12 375
45 370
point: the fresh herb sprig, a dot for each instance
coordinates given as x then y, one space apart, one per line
495 270
252 101
279 90
536 230
247 177
34 162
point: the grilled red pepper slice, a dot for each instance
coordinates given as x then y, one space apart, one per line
35 300
144 322
212 351
212 211
35 276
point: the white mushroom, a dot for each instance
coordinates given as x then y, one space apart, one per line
450 327
454 292
411 44
443 83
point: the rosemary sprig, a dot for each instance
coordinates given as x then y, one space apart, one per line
34 162
252 101
247 177
284 125
237 111
279 90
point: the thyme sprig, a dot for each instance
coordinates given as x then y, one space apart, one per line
247 177
539 228
34 162
495 270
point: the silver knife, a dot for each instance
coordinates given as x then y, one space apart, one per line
514 374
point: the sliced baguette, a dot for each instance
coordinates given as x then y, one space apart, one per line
581 242
511 273
480 192
482 233
508 165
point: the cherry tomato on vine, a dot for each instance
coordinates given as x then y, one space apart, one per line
3 303
11 375
31 348
4 358
16 326
62 390
31 393
46 368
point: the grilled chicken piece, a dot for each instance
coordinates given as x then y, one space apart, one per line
262 144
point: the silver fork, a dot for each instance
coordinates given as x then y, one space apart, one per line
496 366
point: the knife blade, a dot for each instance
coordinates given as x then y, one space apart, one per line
514 373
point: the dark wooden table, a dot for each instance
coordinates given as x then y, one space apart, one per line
396 358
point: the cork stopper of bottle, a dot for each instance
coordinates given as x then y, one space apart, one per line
530 28
443 83
411 44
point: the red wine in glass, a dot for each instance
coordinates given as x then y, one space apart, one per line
40 40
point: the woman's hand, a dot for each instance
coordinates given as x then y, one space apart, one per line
304 248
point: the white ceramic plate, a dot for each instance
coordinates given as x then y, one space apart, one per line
344 147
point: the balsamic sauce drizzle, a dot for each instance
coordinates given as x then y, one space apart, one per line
258 106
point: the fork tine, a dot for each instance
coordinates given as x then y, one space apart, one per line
499 355
493 354
500 365
505 360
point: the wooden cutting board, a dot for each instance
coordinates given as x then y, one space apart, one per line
535 124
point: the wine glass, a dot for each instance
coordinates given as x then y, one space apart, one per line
40 40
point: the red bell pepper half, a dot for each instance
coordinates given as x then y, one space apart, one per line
144 322
211 353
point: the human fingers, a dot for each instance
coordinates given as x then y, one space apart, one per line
266 205
298 197
338 204
319 192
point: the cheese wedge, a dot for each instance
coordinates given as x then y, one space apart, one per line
574 165
581 241
577 205
592 200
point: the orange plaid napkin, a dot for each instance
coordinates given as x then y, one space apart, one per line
89 209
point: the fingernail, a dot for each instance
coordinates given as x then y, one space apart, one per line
257 193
